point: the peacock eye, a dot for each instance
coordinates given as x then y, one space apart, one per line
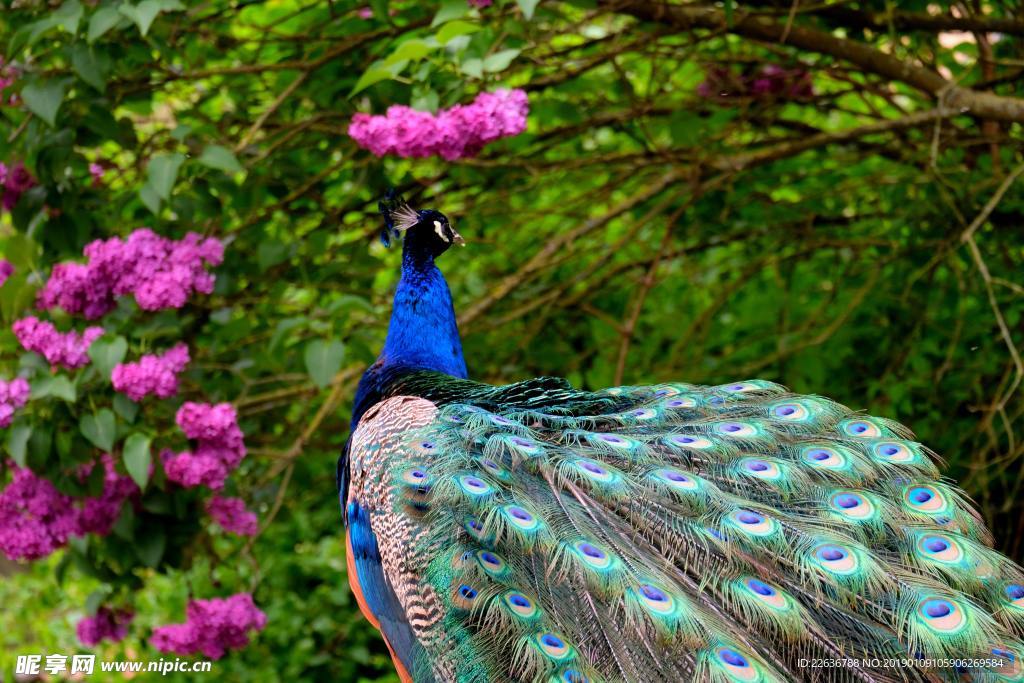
439 229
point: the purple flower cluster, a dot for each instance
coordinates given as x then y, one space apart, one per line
97 172
219 446
6 270
768 82
13 396
232 516
97 515
106 624
15 181
66 349
36 518
158 272
152 374
455 133
480 3
213 627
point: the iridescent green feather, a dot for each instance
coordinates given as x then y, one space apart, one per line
682 532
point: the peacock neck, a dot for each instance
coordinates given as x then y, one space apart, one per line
423 334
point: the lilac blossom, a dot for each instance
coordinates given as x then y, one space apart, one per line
212 627
13 396
98 515
232 515
35 518
152 374
455 133
158 272
63 349
6 270
16 180
106 624
770 81
219 446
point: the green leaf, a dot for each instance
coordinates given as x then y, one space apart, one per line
150 198
39 445
96 598
163 171
500 61
125 407
220 158
102 21
106 352
31 33
43 98
528 6
59 386
99 428
150 546
68 15
473 67
21 250
89 66
270 253
454 29
380 9
411 50
450 9
369 77
17 441
142 14
137 458
323 360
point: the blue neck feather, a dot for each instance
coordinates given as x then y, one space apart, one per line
423 334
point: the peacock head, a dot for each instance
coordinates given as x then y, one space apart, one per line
427 232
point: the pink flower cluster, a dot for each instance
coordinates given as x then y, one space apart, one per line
16 180
219 448
770 81
97 171
66 349
106 624
6 270
36 518
13 396
232 516
98 515
152 374
455 133
213 627
158 272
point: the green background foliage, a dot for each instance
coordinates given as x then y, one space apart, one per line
863 243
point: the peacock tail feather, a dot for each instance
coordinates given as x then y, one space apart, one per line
675 532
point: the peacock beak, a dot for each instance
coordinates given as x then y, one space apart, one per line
457 238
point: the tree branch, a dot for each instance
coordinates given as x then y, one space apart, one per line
985 105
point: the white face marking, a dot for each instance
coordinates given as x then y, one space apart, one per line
440 231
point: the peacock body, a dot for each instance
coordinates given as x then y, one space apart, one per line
535 532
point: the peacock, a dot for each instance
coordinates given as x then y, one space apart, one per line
673 532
